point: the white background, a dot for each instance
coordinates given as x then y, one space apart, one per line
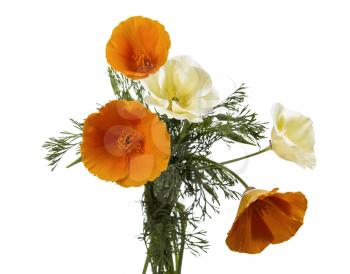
52 67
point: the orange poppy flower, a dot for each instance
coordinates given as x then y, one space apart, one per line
266 217
126 143
138 47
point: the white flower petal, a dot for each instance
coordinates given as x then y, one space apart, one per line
156 102
152 83
292 136
204 104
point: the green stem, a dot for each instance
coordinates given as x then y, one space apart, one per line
213 163
176 251
247 156
179 259
144 271
182 249
236 175
160 234
172 270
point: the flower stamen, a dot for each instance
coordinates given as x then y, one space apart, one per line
129 140
142 60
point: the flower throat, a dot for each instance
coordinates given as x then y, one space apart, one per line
142 60
129 140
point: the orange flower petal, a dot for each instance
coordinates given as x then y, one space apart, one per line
287 215
249 234
140 169
138 47
266 217
103 165
157 142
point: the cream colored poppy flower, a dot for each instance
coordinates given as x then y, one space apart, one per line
292 136
181 89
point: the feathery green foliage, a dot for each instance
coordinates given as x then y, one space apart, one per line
126 88
57 147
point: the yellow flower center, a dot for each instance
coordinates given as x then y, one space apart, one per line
142 60
171 98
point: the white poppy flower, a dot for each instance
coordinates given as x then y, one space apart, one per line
292 136
181 89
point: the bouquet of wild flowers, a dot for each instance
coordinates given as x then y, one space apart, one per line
158 133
